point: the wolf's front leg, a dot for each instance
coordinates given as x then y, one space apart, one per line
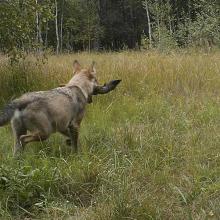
73 134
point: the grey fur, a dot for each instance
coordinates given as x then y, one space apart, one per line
8 111
36 115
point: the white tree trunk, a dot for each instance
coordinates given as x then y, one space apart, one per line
46 35
158 21
149 23
40 35
37 25
57 31
170 26
61 28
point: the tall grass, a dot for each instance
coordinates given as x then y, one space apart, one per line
149 150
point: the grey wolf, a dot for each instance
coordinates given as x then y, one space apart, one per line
36 115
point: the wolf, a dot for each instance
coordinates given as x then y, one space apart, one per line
36 115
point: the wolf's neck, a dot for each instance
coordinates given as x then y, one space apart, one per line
82 83
85 94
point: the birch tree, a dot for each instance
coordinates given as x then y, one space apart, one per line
56 27
146 7
39 39
61 26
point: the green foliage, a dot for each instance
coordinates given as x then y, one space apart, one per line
27 186
203 29
195 23
17 26
76 25
81 24
206 27
165 41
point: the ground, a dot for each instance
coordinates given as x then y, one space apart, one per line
149 149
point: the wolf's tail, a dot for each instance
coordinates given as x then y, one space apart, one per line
8 111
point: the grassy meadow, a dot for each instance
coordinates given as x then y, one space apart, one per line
149 150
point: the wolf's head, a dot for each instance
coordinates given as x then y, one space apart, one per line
85 79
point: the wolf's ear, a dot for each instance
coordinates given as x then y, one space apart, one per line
76 66
92 68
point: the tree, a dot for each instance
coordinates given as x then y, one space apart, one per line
146 7
123 23
57 30
17 27
205 29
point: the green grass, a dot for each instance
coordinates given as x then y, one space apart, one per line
149 150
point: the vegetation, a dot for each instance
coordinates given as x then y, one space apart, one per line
75 25
149 150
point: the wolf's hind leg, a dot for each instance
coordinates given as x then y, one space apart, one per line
37 136
18 130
